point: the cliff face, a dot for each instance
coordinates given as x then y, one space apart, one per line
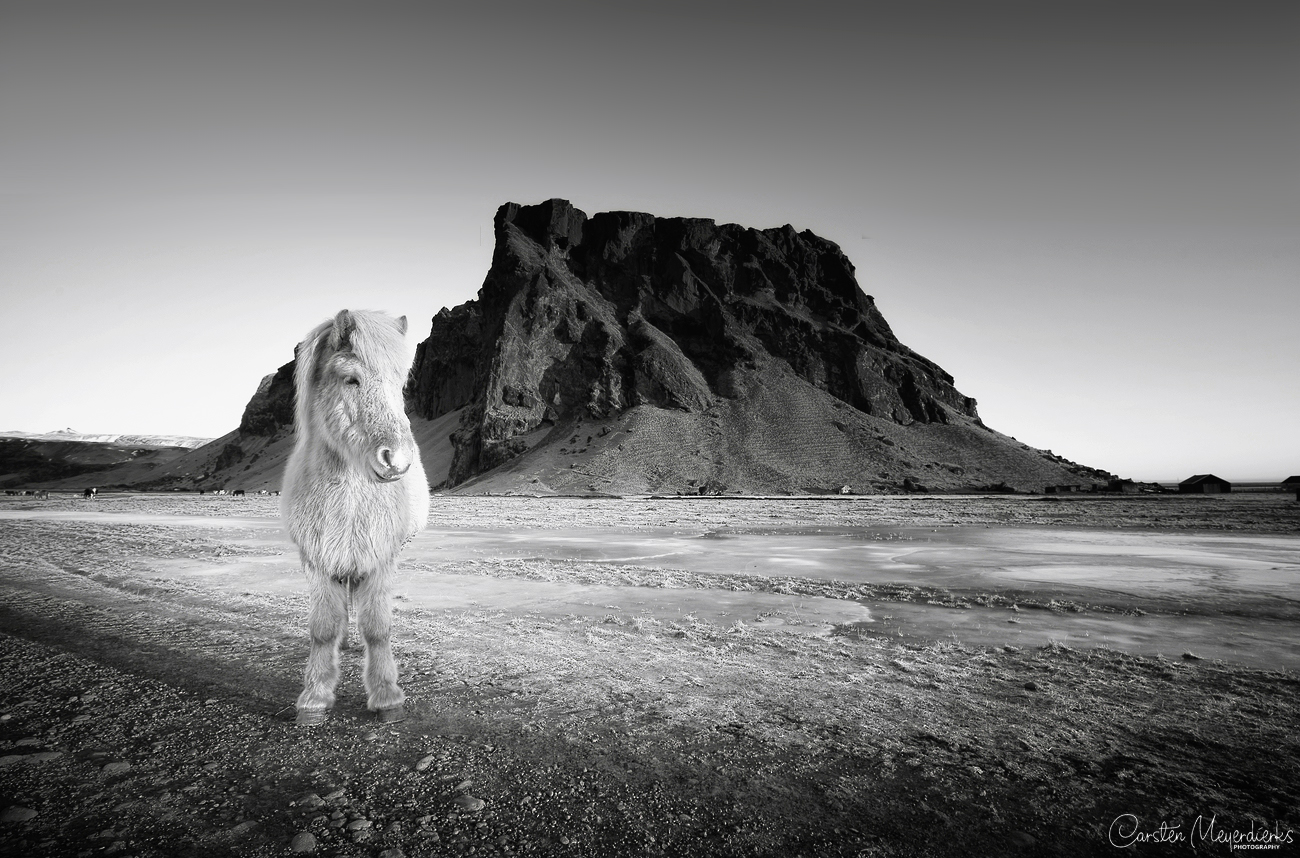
594 320
271 408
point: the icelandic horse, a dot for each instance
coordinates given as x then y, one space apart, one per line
354 494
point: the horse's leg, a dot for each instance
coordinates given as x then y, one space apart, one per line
375 621
327 623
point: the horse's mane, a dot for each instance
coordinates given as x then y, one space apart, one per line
376 339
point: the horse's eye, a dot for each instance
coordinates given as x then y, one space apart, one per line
352 379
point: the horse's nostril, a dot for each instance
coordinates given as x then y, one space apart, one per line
393 462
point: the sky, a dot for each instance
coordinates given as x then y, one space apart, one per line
1087 212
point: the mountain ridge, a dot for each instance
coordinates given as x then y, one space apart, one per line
628 354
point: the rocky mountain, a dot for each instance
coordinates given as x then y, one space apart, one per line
628 354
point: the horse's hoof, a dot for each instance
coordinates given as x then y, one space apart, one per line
311 717
392 714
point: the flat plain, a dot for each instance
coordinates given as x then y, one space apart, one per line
664 676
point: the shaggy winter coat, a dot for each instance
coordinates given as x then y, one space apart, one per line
354 493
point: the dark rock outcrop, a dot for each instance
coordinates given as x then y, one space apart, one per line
271 408
586 318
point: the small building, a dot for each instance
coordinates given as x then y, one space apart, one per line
1061 490
1204 484
1125 487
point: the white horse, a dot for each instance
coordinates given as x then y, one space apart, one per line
354 494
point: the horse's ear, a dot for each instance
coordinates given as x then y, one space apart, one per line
401 324
341 333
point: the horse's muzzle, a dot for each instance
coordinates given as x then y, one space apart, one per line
390 465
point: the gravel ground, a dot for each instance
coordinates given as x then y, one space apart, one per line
149 717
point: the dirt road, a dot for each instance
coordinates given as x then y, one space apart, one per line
145 713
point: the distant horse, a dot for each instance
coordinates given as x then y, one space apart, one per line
354 494
42 495
239 493
90 493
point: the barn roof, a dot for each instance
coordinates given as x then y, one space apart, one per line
1195 479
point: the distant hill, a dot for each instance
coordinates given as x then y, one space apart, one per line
107 438
39 461
251 457
628 354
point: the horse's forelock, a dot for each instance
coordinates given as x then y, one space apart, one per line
379 342
374 339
